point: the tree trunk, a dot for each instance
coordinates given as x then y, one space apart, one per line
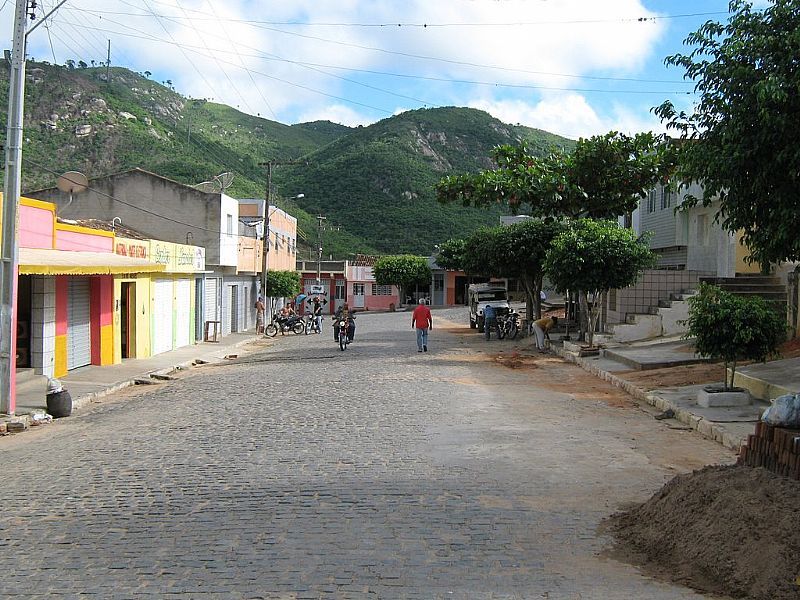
593 315
583 314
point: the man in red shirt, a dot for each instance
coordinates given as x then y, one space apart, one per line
422 321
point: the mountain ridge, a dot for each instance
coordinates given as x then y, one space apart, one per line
376 182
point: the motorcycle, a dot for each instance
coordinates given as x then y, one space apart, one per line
342 328
310 324
508 325
294 324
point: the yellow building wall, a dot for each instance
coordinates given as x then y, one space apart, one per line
60 366
742 252
142 335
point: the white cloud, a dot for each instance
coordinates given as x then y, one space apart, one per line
568 114
275 58
335 113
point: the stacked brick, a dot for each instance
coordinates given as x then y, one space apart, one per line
777 449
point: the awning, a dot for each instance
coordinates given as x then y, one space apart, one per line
43 261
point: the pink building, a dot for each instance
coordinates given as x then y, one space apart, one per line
363 292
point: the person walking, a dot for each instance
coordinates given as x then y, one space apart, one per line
422 321
541 329
490 322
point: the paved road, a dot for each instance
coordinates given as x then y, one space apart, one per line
306 472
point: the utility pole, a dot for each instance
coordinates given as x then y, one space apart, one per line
108 64
320 219
9 254
265 235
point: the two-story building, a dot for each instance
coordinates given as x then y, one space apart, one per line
166 210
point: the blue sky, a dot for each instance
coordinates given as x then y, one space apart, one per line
573 67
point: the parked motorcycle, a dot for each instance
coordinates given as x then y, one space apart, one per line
508 324
294 324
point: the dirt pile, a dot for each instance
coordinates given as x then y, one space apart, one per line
731 530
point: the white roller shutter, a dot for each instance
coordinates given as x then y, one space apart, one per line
79 329
183 313
162 315
211 300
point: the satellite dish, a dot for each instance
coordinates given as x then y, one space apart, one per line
217 185
72 182
225 180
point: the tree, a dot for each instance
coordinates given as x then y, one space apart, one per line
594 257
282 284
70 64
82 64
602 178
403 271
733 328
479 257
451 255
744 128
147 74
521 250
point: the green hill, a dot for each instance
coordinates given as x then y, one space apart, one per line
376 183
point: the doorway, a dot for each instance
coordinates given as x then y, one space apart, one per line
128 319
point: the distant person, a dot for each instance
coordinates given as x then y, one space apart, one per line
344 314
490 322
541 329
422 321
316 313
260 310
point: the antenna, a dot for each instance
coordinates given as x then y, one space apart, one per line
72 182
217 185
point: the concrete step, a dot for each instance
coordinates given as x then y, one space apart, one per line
636 327
743 280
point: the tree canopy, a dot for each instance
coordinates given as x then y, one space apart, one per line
595 257
744 128
403 270
451 255
603 177
282 284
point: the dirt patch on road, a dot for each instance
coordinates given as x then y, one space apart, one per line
729 530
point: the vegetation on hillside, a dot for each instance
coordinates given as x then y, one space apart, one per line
375 183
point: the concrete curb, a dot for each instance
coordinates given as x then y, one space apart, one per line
86 399
77 403
708 429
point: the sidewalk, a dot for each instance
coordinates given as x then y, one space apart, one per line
729 426
88 383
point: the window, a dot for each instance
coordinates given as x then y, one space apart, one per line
358 289
666 197
340 290
651 201
229 224
381 290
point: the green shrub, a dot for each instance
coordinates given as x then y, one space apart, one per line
733 328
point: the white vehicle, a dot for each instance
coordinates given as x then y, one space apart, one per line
481 294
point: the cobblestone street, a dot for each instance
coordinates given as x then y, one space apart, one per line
301 471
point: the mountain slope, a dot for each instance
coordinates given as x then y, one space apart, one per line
376 182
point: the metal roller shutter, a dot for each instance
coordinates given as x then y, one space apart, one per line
162 315
211 300
183 313
79 329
